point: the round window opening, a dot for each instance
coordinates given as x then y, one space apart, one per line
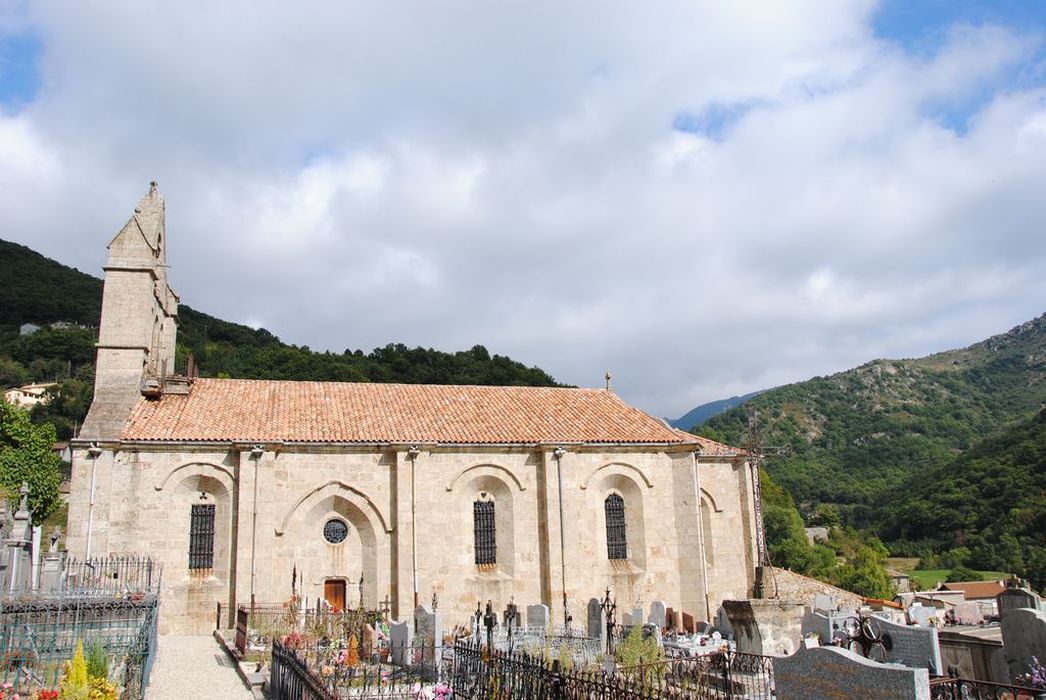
335 531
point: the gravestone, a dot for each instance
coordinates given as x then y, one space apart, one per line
819 624
658 614
688 623
1023 637
429 636
967 613
400 643
19 547
626 620
915 647
824 602
637 616
670 614
677 621
722 623
766 627
831 672
537 617
1017 598
921 614
597 621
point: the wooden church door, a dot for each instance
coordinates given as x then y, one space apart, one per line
334 593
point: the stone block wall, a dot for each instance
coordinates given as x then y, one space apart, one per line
272 504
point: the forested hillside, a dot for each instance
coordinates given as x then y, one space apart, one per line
984 510
41 291
858 434
940 457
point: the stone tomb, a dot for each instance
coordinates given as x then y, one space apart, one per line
968 613
1023 637
658 614
831 672
537 617
429 635
921 614
597 621
767 627
1017 598
915 647
400 641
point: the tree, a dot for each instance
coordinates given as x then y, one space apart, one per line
27 455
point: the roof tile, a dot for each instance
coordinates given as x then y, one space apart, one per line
337 412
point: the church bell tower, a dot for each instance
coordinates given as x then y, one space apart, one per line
136 336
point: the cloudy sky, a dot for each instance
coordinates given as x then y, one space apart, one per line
705 198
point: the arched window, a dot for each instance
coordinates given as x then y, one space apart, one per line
617 542
706 531
484 531
201 536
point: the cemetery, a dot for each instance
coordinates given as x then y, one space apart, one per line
72 628
766 648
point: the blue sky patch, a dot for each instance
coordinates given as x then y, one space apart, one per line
19 69
714 121
921 26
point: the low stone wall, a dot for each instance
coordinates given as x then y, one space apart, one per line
793 586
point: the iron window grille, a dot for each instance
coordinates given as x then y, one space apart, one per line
201 536
617 542
484 530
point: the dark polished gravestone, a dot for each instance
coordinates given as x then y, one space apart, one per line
832 673
1017 599
915 647
597 621
1023 640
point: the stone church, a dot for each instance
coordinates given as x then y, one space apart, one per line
386 491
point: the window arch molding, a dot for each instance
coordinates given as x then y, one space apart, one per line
625 485
500 493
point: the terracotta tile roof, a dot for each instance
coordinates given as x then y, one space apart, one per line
711 448
976 590
285 411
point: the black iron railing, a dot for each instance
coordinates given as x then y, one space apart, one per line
482 673
290 678
330 672
727 674
963 689
38 636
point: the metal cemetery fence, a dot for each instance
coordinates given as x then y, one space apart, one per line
126 576
260 625
113 602
482 673
319 673
720 674
962 689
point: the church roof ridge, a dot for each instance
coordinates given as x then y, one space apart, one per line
218 410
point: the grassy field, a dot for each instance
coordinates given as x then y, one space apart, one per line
927 579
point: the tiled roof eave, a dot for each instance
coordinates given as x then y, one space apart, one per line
211 442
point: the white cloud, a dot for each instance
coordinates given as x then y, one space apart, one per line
465 173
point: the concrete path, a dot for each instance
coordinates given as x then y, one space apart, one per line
194 667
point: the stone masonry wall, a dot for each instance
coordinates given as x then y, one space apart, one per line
271 507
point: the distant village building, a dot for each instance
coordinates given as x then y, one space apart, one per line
29 395
471 493
981 592
902 582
